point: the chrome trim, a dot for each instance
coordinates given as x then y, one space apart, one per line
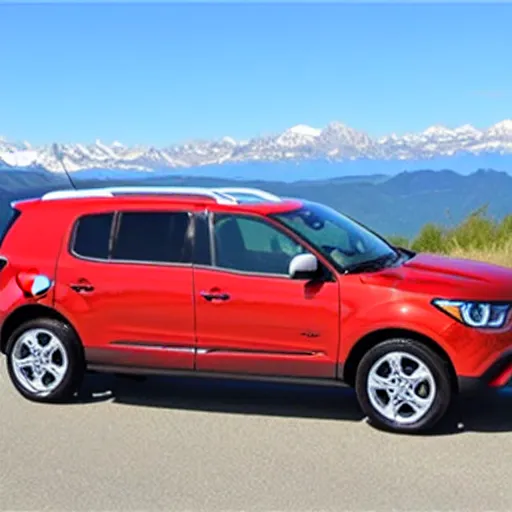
212 350
243 273
132 262
153 346
203 351
75 194
261 194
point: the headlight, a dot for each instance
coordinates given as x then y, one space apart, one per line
475 314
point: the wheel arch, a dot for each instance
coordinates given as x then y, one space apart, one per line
24 314
370 340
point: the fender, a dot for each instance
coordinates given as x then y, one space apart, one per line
417 316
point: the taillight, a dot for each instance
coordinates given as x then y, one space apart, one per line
33 284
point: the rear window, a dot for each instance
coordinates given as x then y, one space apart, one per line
92 236
159 237
8 217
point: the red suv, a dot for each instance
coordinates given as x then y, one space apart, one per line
241 283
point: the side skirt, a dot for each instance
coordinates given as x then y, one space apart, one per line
129 370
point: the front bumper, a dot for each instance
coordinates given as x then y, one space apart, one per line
498 375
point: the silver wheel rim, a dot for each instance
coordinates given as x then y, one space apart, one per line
401 387
39 361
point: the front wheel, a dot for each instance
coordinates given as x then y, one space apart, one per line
403 386
45 361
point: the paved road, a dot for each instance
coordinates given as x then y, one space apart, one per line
188 445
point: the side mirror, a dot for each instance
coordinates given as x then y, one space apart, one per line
303 266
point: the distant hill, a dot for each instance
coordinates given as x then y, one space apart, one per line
392 205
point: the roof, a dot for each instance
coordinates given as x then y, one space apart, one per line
238 197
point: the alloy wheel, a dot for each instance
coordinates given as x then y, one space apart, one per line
39 361
401 387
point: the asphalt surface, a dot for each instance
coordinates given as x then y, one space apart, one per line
195 444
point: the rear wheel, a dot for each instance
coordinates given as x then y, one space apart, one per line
45 360
403 386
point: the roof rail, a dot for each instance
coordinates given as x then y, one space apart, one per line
72 194
255 192
227 195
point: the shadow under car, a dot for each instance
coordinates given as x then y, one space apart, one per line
485 412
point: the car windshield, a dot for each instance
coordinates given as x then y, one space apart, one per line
346 243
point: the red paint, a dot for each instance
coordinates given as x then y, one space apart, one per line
282 313
269 325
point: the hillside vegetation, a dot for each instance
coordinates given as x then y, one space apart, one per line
479 237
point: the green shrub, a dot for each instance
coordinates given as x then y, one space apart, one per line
477 232
431 238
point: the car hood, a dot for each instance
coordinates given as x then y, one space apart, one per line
442 276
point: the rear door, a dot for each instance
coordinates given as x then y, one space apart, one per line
125 281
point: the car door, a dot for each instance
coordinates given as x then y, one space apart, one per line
251 317
130 295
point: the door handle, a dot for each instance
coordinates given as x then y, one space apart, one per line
215 296
82 287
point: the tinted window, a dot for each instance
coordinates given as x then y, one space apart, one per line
160 237
92 235
7 220
252 245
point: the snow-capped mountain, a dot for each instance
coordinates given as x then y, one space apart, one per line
336 142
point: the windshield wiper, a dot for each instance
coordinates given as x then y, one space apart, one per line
373 265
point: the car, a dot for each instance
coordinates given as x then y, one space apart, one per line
241 283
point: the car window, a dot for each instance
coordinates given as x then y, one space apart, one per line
158 237
249 244
345 242
92 235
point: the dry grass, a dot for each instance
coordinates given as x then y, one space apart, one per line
498 255
478 237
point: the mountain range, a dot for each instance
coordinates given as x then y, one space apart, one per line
336 143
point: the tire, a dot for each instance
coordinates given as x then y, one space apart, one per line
65 363
436 386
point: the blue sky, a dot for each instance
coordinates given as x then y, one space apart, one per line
161 74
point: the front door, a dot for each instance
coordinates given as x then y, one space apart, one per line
251 317
131 300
